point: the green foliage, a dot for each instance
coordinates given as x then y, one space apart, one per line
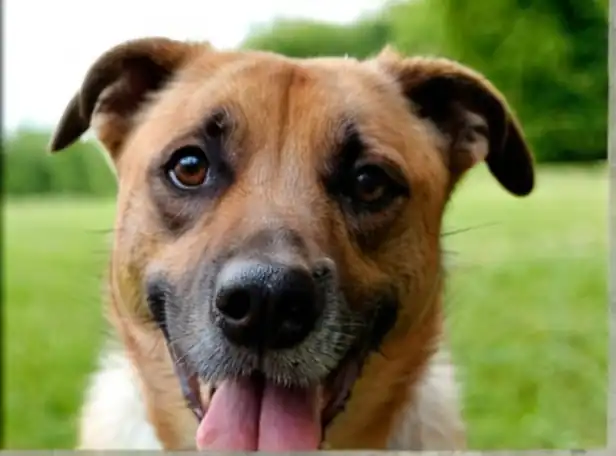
305 38
548 57
416 28
550 60
29 170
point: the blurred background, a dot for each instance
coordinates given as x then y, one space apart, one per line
527 297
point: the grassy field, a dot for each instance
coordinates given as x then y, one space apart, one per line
527 308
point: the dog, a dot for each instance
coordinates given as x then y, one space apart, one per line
276 273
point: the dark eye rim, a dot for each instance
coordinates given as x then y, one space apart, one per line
395 187
372 171
176 156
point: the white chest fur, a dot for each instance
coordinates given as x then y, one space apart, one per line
114 415
433 421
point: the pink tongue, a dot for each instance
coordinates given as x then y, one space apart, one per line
243 417
231 422
289 420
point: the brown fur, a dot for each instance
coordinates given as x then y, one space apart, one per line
146 97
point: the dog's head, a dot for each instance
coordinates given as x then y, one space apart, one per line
280 217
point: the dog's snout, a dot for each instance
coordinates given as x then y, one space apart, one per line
266 306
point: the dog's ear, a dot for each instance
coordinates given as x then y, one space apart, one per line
116 86
471 115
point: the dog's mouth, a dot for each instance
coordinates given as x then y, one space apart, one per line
262 410
255 414
252 413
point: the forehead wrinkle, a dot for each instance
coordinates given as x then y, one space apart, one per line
275 130
292 84
315 114
283 169
261 95
375 110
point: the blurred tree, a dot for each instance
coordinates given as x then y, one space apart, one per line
29 170
304 38
22 168
416 28
549 57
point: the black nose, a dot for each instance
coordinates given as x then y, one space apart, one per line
263 305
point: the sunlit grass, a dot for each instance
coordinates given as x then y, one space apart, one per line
527 309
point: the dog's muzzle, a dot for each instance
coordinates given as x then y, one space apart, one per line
281 349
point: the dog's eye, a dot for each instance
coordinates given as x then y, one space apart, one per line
371 185
188 167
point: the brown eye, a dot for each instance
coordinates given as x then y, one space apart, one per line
371 184
188 168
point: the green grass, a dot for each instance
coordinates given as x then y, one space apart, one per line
527 303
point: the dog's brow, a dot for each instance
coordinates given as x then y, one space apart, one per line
218 119
348 146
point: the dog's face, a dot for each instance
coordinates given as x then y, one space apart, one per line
281 218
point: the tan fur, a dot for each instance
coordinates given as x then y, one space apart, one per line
285 109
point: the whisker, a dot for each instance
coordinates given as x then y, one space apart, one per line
99 252
174 341
180 359
100 230
467 229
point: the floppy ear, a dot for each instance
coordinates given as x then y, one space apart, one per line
471 114
116 86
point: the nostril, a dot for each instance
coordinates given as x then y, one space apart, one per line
294 310
297 311
296 307
324 269
236 304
